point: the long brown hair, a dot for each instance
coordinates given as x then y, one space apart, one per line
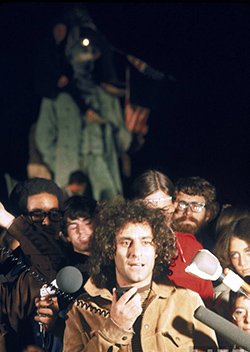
149 182
239 229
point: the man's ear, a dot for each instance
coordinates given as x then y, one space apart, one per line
208 216
212 212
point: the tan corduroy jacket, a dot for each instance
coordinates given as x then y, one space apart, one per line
168 323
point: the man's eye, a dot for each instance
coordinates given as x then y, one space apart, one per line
146 242
125 243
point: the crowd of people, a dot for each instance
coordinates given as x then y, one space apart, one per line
131 251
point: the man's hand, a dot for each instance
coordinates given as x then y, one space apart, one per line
94 117
6 218
47 311
126 310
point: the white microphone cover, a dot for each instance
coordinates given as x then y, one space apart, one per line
205 265
50 289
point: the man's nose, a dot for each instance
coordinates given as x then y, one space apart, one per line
82 229
135 249
188 210
46 221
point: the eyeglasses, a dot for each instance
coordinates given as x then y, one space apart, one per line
240 314
54 215
194 206
161 202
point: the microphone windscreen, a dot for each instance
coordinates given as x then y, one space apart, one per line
206 262
205 265
225 328
69 279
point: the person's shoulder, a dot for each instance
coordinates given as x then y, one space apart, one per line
170 289
188 239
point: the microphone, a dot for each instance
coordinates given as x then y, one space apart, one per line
225 328
206 266
69 280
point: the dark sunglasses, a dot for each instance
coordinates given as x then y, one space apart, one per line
54 215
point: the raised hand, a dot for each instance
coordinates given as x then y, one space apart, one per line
126 310
6 218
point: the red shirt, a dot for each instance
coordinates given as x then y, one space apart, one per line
188 246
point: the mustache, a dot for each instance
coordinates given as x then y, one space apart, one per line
184 218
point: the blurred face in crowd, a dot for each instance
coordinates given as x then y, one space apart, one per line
241 313
190 213
135 255
79 232
43 209
239 251
77 188
59 32
160 199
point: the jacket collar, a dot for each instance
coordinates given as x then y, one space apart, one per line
160 290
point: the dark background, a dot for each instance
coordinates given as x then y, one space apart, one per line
199 123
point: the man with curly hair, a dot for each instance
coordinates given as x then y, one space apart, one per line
131 248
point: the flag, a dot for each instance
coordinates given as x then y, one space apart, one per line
136 116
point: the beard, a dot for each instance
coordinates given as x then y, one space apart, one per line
192 227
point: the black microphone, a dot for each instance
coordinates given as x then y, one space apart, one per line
206 266
69 279
225 328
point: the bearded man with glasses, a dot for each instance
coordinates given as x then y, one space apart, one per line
158 191
195 208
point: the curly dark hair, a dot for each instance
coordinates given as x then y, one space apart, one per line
113 216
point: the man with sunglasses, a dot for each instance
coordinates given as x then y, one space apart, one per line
195 207
36 224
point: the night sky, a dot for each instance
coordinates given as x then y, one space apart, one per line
200 120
